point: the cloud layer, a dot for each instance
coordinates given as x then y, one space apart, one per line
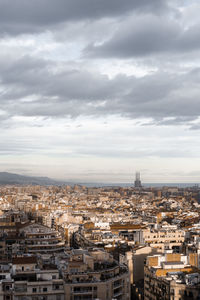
90 63
38 87
32 16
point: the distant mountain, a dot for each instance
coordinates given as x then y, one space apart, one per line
10 178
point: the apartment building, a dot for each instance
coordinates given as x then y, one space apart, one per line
70 275
41 239
92 274
135 261
23 279
160 238
171 276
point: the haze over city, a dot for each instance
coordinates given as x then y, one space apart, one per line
94 91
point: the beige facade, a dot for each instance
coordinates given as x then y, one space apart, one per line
160 238
135 261
113 288
170 277
94 274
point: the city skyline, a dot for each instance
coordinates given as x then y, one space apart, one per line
95 91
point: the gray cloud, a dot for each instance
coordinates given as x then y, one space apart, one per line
32 87
148 35
181 120
32 16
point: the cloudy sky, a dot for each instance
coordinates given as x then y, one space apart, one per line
94 90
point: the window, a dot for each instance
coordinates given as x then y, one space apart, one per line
190 294
34 290
44 289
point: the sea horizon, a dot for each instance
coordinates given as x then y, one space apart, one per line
145 185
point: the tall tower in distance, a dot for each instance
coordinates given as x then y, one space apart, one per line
137 180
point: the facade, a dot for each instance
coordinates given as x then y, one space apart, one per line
171 277
93 274
42 239
70 275
25 280
135 261
28 237
162 238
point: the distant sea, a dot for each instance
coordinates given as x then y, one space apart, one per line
98 184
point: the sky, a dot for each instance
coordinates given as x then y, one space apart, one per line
95 90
